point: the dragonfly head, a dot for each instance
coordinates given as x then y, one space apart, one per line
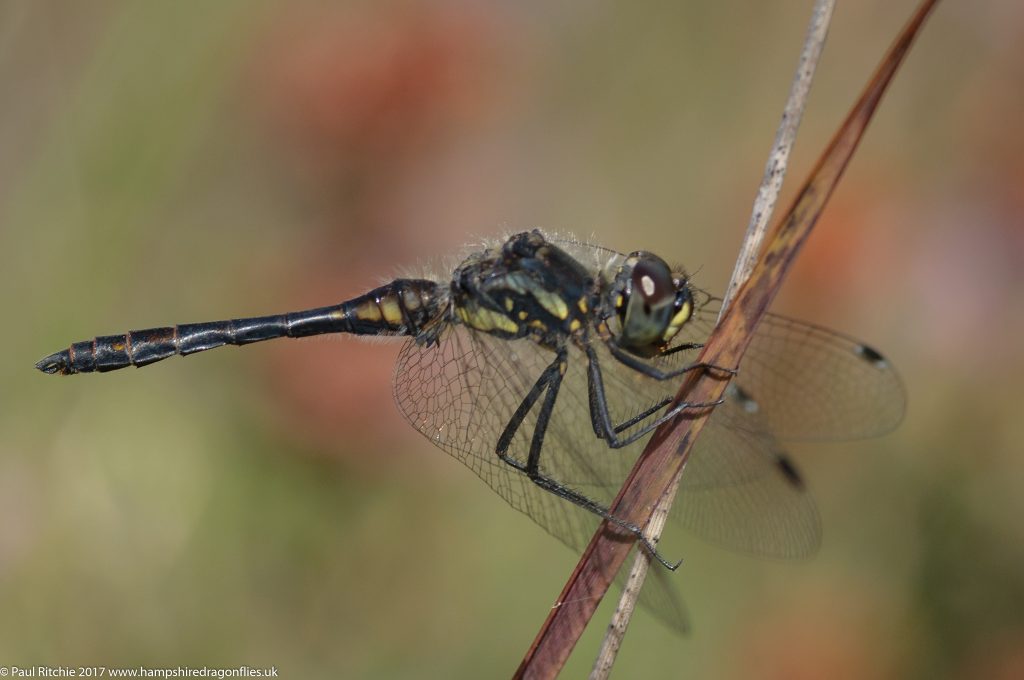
652 303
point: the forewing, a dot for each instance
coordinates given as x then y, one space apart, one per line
810 383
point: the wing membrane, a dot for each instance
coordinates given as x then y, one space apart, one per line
813 384
797 381
461 393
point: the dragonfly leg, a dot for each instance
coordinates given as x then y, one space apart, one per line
638 364
549 383
643 415
601 417
685 347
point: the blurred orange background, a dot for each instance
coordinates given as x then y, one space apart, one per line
169 162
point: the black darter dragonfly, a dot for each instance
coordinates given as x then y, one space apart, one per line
544 363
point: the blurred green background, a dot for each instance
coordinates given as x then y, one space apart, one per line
171 162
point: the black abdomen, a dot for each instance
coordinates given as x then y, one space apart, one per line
402 307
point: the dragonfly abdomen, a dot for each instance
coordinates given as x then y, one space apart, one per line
401 307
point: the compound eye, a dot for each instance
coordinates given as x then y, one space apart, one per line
647 305
652 281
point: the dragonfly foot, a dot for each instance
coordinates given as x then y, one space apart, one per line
653 552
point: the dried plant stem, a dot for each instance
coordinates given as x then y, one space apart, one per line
764 205
778 159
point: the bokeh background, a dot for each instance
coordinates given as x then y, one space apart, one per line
167 162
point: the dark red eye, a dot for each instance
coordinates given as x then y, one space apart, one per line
653 281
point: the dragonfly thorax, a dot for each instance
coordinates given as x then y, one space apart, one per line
528 287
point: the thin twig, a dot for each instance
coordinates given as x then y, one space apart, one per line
778 159
764 205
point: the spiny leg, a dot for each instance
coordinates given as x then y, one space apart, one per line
651 372
550 382
601 417
643 415
684 347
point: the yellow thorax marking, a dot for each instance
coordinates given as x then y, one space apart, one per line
486 319
552 303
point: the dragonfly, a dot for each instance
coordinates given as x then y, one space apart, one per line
543 364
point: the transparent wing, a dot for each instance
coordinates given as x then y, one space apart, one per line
461 393
809 383
739 489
